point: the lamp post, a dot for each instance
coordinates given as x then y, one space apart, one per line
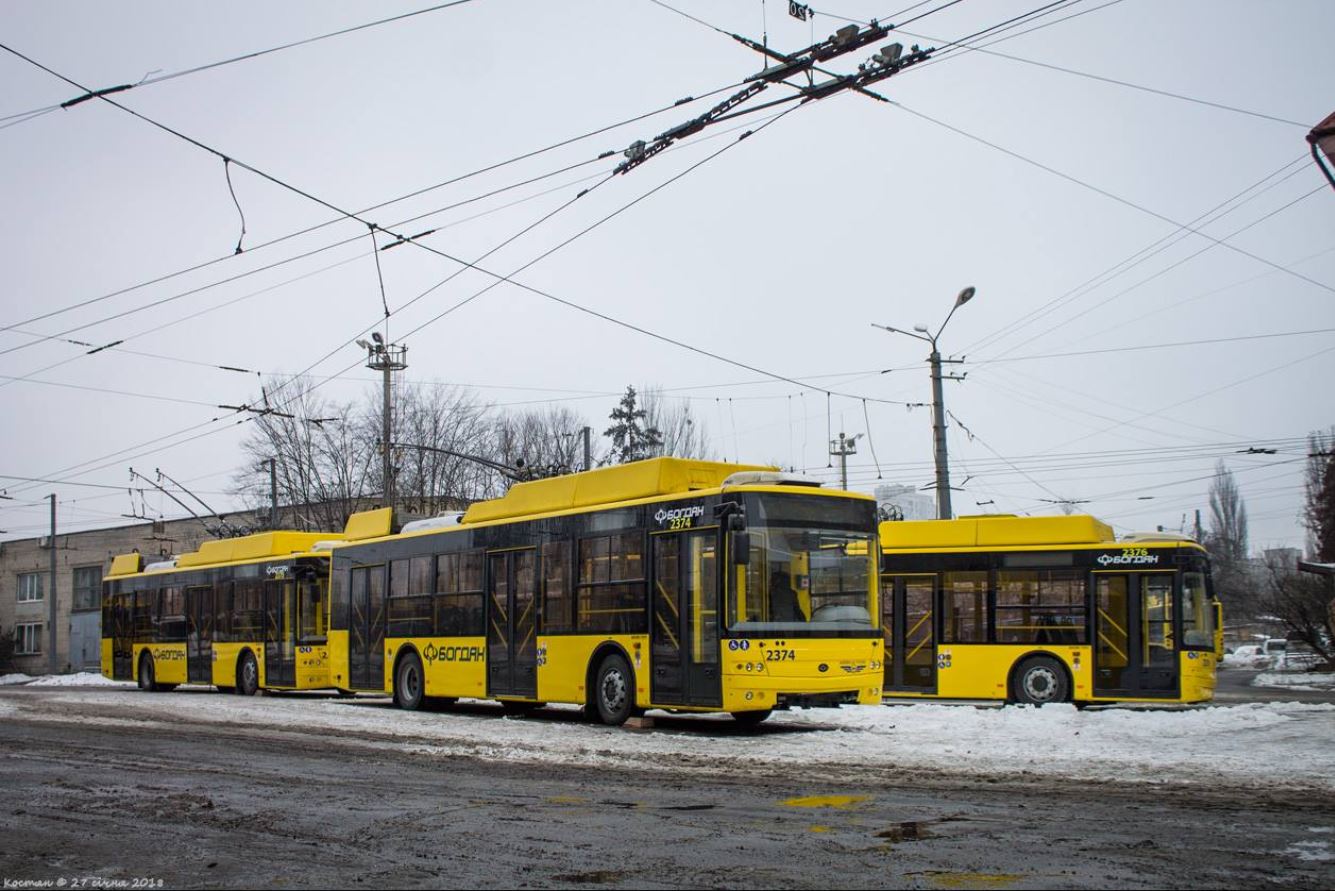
386 358
921 332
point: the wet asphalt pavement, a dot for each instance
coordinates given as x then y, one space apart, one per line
195 805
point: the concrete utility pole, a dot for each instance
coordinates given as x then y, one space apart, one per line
842 448
943 506
386 358
51 597
588 450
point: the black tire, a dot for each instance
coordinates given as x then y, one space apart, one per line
247 675
614 691
409 683
1040 680
146 674
752 719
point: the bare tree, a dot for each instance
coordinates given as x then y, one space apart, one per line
1302 603
1228 516
1319 486
322 457
1226 541
545 442
436 427
681 433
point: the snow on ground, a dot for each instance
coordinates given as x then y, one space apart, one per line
1270 746
1295 680
77 679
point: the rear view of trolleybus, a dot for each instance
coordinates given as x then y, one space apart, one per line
1045 609
667 583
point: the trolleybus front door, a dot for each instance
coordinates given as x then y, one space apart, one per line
512 650
199 634
908 605
684 637
280 656
122 637
1135 651
366 629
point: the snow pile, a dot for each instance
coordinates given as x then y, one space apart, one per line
1265 746
1295 680
16 678
78 679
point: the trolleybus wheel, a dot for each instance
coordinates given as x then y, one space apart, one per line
146 674
614 692
248 675
752 719
408 683
1040 680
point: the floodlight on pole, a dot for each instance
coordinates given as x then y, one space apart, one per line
943 506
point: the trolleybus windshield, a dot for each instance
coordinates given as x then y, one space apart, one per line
810 570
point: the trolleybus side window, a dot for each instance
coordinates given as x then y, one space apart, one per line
410 608
612 593
1041 606
459 594
1197 612
247 601
171 627
144 615
222 611
964 607
557 606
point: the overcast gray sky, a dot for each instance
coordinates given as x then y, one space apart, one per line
779 253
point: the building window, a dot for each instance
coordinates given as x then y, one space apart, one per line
28 639
30 587
87 587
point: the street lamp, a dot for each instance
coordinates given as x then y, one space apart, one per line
923 333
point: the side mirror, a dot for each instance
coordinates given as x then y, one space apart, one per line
739 544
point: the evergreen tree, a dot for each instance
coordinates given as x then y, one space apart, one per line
631 441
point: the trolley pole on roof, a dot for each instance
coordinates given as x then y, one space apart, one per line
944 510
386 358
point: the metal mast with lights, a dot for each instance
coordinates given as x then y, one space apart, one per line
842 448
386 358
943 508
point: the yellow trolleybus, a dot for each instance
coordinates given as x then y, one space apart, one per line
240 613
667 583
1045 609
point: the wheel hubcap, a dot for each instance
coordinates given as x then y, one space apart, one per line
1040 684
250 674
614 691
